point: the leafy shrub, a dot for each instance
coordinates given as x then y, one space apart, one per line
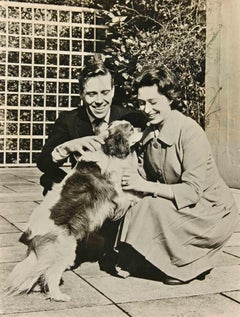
140 32
106 4
167 32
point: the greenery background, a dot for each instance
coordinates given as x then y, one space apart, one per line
168 32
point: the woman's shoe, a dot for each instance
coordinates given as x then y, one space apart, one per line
173 281
202 276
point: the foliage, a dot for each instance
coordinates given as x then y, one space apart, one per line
103 4
167 32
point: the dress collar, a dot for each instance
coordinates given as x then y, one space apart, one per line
168 132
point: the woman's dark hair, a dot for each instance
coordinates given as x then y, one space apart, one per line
165 81
94 67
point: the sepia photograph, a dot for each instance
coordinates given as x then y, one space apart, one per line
120 158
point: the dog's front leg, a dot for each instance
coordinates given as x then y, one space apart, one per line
121 207
53 277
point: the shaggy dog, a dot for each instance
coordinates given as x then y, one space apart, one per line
79 205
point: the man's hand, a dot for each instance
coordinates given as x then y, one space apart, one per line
80 145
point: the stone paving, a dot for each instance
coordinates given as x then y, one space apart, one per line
95 292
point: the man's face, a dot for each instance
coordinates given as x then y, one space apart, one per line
97 95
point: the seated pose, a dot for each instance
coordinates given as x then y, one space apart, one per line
188 212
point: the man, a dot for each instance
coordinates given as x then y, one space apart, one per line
74 131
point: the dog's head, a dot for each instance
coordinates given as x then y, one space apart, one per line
121 137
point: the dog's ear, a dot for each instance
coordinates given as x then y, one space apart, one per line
116 145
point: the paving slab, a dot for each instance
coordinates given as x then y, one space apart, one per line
26 187
32 179
9 239
195 306
136 289
238 228
12 253
234 240
9 197
233 250
27 172
225 259
14 180
21 225
81 293
236 196
6 227
4 190
17 211
24 171
99 311
88 269
235 295
94 291
19 184
9 178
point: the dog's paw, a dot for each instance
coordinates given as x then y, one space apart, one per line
60 297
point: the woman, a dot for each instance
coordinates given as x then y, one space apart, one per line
187 213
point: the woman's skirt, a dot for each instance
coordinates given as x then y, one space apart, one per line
181 243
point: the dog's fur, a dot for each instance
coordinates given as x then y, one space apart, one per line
87 196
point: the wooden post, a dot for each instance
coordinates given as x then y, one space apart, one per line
223 86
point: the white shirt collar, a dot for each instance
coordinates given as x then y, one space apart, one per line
92 118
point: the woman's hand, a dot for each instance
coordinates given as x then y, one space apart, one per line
131 180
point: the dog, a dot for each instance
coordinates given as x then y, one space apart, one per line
89 194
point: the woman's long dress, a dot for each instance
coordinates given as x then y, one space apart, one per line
181 237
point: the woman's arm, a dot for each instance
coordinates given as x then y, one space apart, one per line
195 157
131 180
196 161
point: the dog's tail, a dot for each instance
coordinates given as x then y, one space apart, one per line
25 275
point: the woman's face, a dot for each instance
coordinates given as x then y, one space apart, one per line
155 105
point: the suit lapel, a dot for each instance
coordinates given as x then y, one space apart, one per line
83 126
116 113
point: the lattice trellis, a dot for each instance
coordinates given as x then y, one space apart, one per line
42 47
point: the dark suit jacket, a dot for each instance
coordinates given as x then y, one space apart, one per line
71 125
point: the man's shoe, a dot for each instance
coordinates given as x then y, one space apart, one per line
108 263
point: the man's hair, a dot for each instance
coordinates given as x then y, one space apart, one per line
94 67
163 78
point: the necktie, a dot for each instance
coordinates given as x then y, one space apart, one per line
99 126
